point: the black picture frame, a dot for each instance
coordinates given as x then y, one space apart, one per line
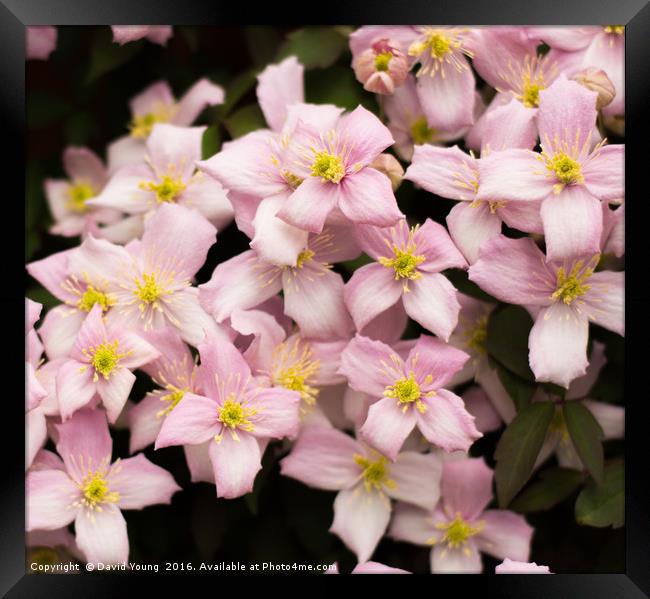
15 15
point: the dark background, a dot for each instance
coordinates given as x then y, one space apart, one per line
80 97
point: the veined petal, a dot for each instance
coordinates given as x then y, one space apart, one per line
144 422
471 225
387 426
366 135
506 534
604 172
434 359
439 250
179 147
466 486
278 413
191 422
417 479
102 535
74 387
49 495
236 464
202 94
605 300
115 391
278 86
412 524
141 483
364 362
308 206
461 560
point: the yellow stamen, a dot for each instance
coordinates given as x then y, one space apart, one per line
78 193
95 491
294 368
167 190
571 286
421 133
407 391
382 60
375 473
329 167
457 532
104 358
234 416
405 260
93 296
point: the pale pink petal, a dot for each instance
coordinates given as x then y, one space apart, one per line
314 299
567 112
377 568
275 240
581 386
506 534
308 206
123 231
159 34
524 216
573 223
144 422
57 196
191 320
367 198
514 271
123 192
49 495
513 175
370 292
74 387
387 426
242 282
361 364
431 301
432 359
447 172
236 464
448 102
191 422
478 404
82 164
141 483
366 135
613 240
84 442
40 42
489 380
102 259
36 434
155 95
328 354
466 486
278 413
607 52
199 463
102 535
169 145
221 361
509 566
278 86
610 417
604 172
125 151
558 344
360 520
564 38
210 198
417 479
202 94
323 457
509 126
337 243
123 34
461 560
605 300
389 326
412 524
471 225
115 391
434 243
51 272
321 116
446 423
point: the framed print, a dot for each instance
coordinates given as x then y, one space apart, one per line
335 295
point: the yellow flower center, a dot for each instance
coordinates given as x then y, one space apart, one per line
234 415
571 286
438 44
329 167
104 358
148 290
142 124
420 132
407 391
93 296
95 491
172 399
456 532
404 261
617 29
303 257
477 335
167 190
292 180
375 473
566 169
78 193
382 60
530 95
294 368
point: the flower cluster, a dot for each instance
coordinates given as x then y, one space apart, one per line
355 375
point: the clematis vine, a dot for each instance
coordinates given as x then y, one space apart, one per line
408 393
328 459
83 486
459 528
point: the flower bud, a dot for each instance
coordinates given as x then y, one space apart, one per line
381 68
597 80
390 166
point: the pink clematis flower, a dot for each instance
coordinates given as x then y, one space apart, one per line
235 417
100 362
68 199
509 566
407 270
368 568
313 294
328 459
459 528
381 68
167 177
175 373
569 294
156 104
409 393
41 42
453 174
86 488
568 175
158 34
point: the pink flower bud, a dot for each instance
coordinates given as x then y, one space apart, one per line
381 68
597 80
390 166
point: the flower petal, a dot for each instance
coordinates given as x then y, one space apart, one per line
466 486
202 94
411 524
144 422
141 483
387 426
605 300
49 495
604 172
448 102
471 225
278 413
278 86
191 422
74 387
362 364
506 534
236 464
417 479
308 206
366 135
439 250
102 535
433 358
461 560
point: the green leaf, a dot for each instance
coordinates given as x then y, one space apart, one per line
314 46
211 142
604 505
587 435
554 389
246 119
262 43
519 447
507 339
337 85
236 90
520 390
458 278
106 55
554 486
